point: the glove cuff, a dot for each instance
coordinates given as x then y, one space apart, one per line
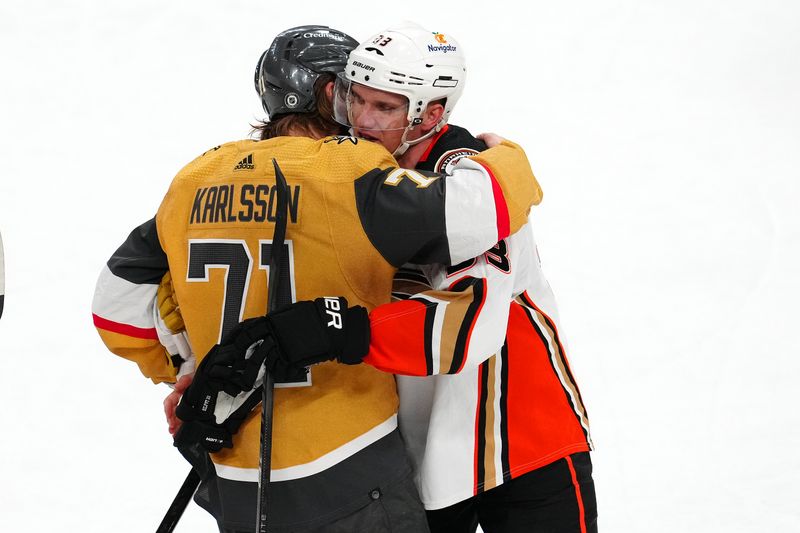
212 438
356 345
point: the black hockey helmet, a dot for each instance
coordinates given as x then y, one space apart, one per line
286 72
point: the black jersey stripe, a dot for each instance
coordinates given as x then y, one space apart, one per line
526 300
467 324
430 316
564 362
480 441
416 276
504 441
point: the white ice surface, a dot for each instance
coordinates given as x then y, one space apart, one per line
665 134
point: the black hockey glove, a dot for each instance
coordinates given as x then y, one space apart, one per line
310 332
225 388
229 380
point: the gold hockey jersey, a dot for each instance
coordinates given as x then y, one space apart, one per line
353 219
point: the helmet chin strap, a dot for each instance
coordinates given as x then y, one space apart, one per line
405 144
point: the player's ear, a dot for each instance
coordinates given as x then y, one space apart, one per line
329 91
432 115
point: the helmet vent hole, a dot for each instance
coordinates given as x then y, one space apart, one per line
398 74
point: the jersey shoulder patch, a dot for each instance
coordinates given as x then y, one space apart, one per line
450 157
453 144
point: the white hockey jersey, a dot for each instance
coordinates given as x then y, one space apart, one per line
498 402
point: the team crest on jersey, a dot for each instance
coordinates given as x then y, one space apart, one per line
450 158
340 139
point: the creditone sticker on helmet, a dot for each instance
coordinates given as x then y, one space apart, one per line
325 34
449 158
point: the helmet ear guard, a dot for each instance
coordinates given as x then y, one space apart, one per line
287 71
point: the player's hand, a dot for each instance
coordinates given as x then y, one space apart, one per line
171 402
226 387
229 379
310 332
491 139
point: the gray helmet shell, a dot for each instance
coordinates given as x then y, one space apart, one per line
287 70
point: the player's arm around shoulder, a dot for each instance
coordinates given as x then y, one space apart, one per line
456 325
415 216
515 189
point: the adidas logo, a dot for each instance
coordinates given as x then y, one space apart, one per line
245 164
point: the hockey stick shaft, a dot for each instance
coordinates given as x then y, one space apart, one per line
180 502
273 302
192 480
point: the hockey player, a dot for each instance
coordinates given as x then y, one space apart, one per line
504 440
337 458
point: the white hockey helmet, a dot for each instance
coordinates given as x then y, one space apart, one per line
409 60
